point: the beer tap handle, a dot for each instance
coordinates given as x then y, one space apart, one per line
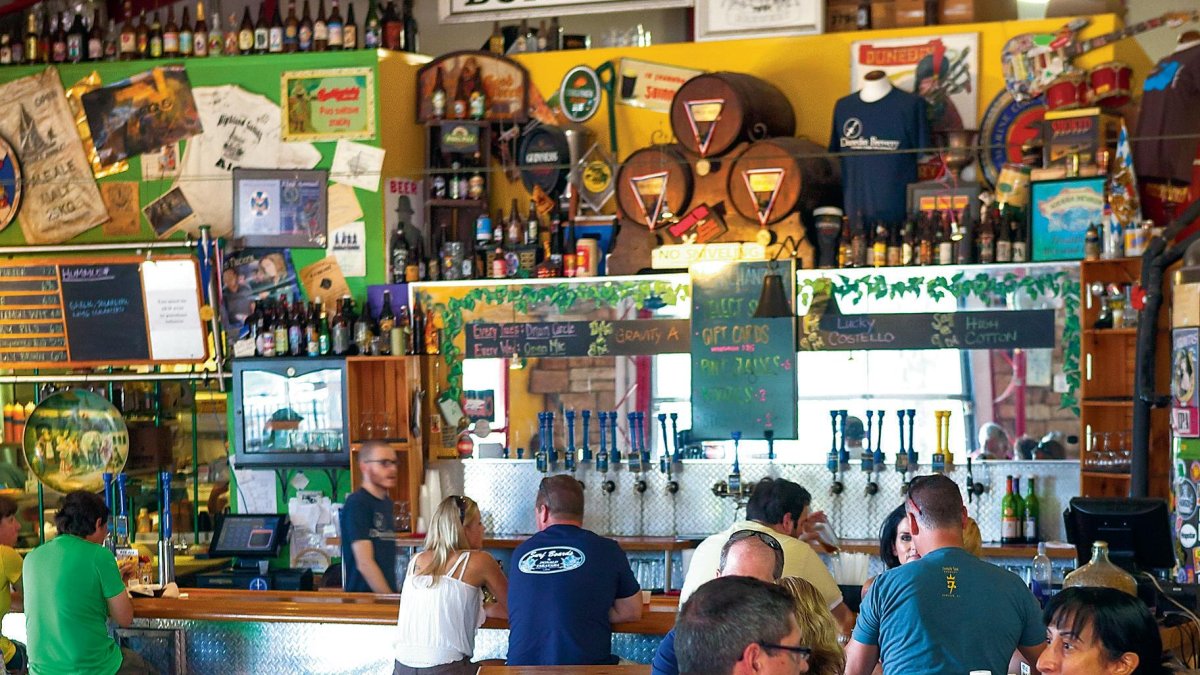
633 458
676 455
664 459
843 454
867 455
642 439
587 436
602 456
550 438
614 456
769 435
879 460
913 459
833 432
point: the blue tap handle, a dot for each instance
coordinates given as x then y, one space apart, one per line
122 500
912 449
164 516
614 456
550 438
570 418
587 436
642 438
633 458
843 453
664 458
676 455
879 460
737 438
108 483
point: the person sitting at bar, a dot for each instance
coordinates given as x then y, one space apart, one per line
747 553
368 525
740 626
567 586
442 604
15 660
818 629
1100 631
781 508
927 617
72 588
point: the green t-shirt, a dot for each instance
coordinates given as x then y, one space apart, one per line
67 585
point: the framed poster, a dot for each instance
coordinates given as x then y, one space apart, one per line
280 207
324 105
142 113
503 82
734 19
1060 215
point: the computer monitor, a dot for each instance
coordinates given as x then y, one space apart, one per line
258 535
1138 531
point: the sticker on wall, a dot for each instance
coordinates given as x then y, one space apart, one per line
579 94
348 244
324 279
1185 498
83 86
357 165
1187 535
169 212
161 163
324 105
1185 405
651 85
121 200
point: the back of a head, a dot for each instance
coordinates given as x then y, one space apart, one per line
8 506
446 533
1119 622
818 629
562 495
79 512
938 502
726 615
750 553
773 498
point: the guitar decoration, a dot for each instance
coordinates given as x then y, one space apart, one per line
1033 60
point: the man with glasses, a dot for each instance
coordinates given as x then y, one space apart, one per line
567 586
949 612
780 508
368 525
747 553
739 625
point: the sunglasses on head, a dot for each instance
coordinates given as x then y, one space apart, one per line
461 503
761 536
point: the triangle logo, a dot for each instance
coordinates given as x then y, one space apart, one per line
702 115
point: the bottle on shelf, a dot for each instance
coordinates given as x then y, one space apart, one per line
156 38
95 38
281 323
266 332
530 35
46 38
200 35
262 31
297 330
336 28
372 28
1010 525
33 52
437 98
320 29
245 34
402 334
58 39
275 33
945 239
533 225
496 40
232 37
543 44
1030 526
862 15
187 35
1003 238
340 331
416 345
1020 247
393 28
879 246
431 341
554 42
76 39
514 234
1091 243
216 39
312 330
519 46
411 38
1041 575
291 30
987 242
1020 502
895 248
324 342
387 324
170 36
858 245
305 33
845 245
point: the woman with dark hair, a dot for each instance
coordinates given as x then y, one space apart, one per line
1093 631
896 545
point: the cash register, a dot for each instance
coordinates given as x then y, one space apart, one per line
252 540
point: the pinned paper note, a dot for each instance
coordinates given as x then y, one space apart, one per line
348 244
324 279
357 165
161 164
121 200
343 206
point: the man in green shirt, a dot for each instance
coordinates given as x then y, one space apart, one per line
72 587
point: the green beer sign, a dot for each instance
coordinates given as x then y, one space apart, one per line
579 94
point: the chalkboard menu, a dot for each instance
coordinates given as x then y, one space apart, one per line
94 312
576 338
987 329
743 368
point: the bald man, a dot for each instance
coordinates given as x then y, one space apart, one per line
368 526
747 553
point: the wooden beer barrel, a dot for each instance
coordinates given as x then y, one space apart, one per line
777 176
650 172
714 111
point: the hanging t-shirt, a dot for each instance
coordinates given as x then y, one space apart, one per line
1169 119
563 582
871 139
366 517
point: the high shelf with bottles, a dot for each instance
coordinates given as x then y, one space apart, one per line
1107 357
458 156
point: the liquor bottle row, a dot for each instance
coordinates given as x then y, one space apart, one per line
1019 515
71 39
526 38
504 247
282 328
926 238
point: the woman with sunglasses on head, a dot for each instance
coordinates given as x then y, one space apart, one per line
1100 631
441 605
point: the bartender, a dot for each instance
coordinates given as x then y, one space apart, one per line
368 526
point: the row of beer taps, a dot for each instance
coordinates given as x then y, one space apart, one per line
609 457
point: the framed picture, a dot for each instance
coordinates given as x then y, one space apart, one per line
323 105
280 208
734 19
1060 214
502 82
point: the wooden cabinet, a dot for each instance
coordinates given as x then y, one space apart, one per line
1106 359
380 395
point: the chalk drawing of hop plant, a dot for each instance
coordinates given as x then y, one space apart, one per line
944 336
600 331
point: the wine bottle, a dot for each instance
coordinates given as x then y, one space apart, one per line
372 28
320 29
350 29
1020 506
291 29
1032 508
275 33
170 35
187 35
393 28
533 225
245 34
335 28
58 39
410 37
95 38
1010 528
306 29
945 240
262 31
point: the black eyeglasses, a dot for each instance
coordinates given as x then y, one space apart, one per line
461 503
802 653
761 536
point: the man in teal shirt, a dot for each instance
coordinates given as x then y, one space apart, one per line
948 613
72 587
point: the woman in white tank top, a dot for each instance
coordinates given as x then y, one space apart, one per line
441 604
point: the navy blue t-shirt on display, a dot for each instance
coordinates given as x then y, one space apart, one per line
365 517
875 176
562 584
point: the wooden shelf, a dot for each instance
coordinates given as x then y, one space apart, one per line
378 359
1101 332
1104 474
1108 402
458 203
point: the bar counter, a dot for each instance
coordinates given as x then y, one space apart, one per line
628 544
990 549
658 617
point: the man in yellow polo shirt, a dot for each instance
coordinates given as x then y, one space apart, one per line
777 507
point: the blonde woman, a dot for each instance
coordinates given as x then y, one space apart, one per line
441 604
818 629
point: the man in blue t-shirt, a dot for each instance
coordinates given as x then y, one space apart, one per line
368 525
948 613
568 586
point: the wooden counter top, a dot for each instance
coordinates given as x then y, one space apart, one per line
511 541
658 617
990 550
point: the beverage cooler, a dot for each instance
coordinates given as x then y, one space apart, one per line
1185 416
290 412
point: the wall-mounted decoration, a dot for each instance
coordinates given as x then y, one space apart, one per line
323 105
650 85
579 94
169 212
142 113
74 93
544 159
1061 213
734 19
11 181
324 279
503 82
473 11
277 207
654 183
121 201
251 275
357 165
72 438
1007 126
161 163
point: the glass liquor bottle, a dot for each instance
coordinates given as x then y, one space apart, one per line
170 35
1101 572
336 28
291 29
200 34
350 29
320 29
306 29
187 36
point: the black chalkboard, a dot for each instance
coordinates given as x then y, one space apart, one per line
743 368
105 313
831 330
576 338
